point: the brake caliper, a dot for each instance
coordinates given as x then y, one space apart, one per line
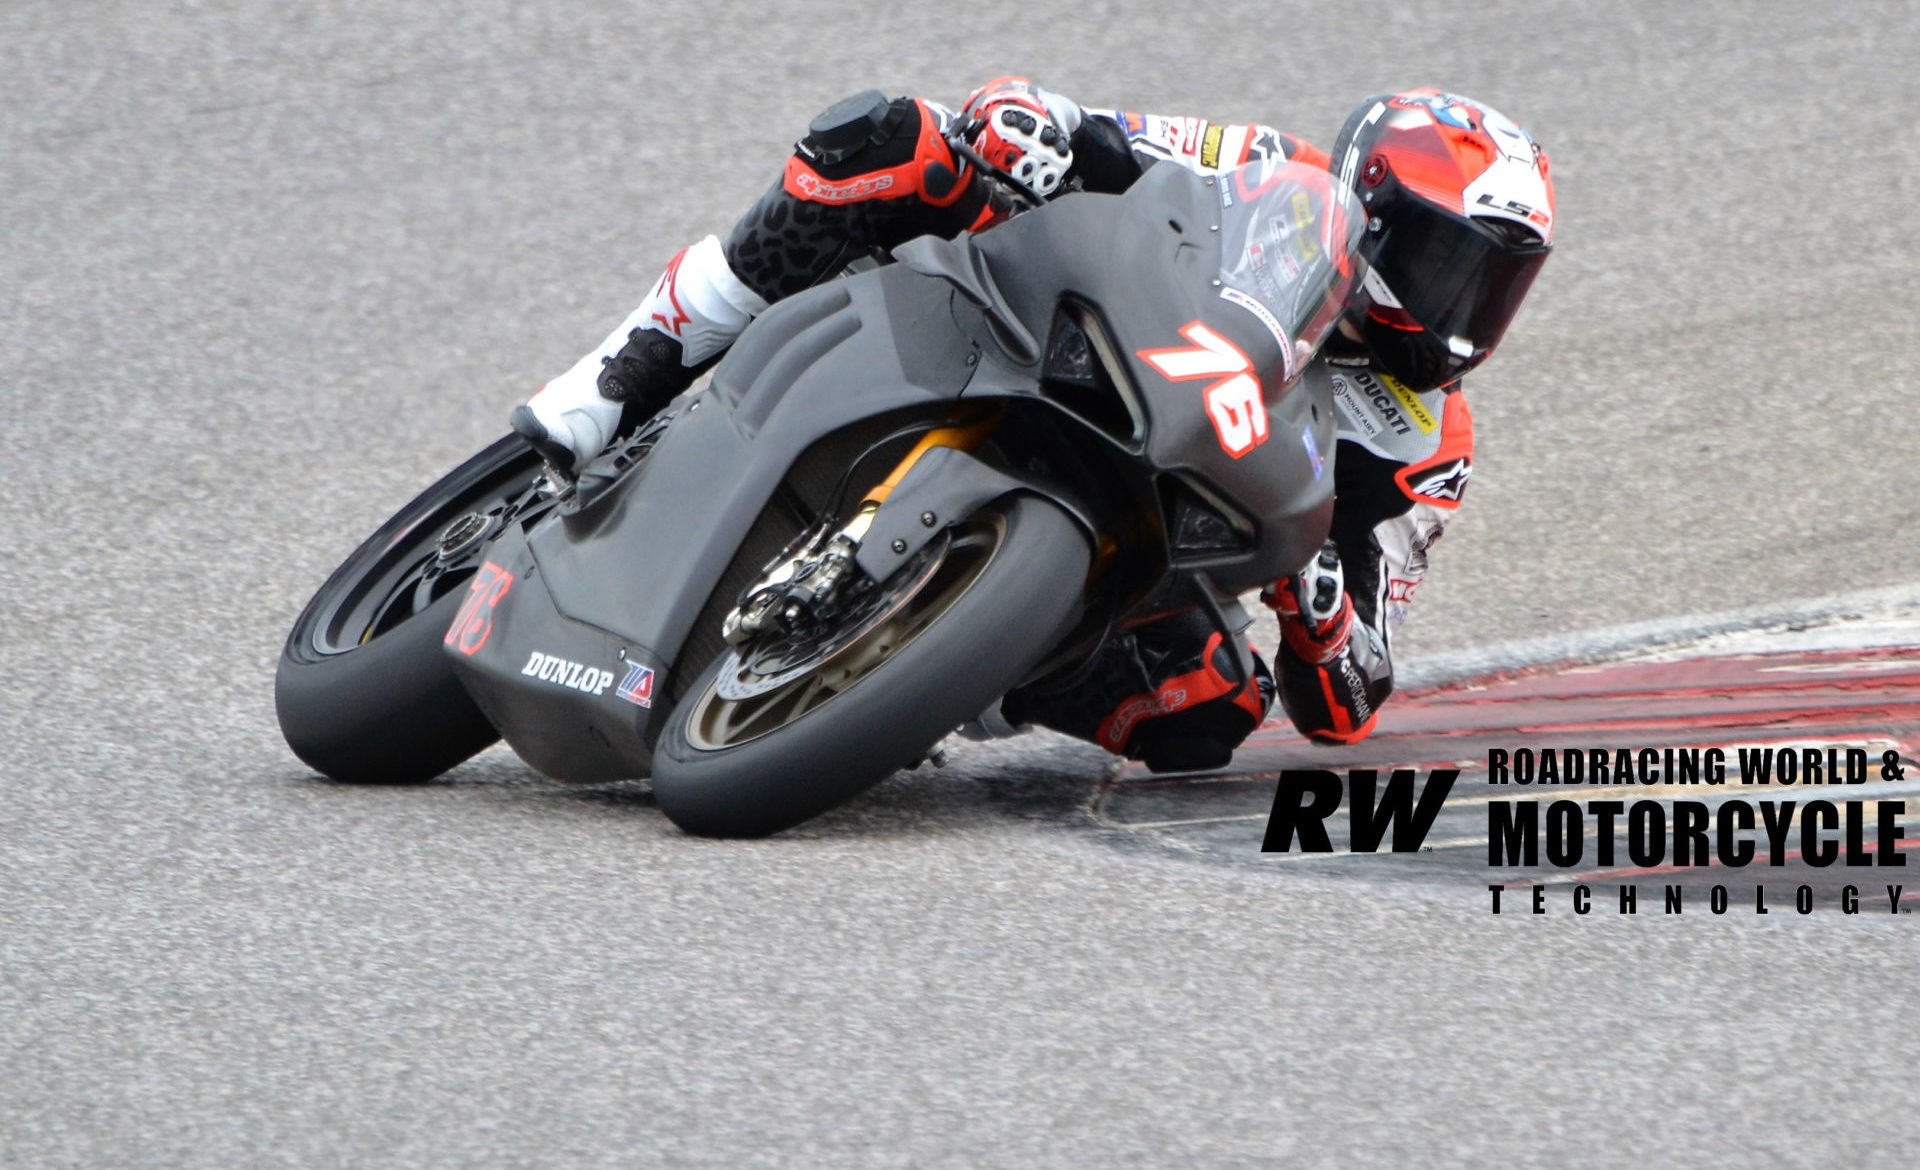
805 585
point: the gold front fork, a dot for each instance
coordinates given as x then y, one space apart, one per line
959 436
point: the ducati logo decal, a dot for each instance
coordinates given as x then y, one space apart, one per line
1233 396
1399 408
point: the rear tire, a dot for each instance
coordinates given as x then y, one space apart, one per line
364 691
390 712
724 769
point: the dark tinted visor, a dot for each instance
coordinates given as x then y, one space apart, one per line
1454 278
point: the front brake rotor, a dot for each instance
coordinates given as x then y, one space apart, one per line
771 661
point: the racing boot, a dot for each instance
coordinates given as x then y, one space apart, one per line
1167 693
695 311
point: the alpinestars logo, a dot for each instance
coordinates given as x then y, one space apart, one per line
1447 482
669 286
1113 734
818 189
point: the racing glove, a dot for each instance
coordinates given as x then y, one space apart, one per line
1024 130
1333 670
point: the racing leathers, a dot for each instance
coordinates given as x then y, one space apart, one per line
1401 466
874 172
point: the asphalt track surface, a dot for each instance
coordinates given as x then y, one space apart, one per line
269 269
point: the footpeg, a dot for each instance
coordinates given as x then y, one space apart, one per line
558 456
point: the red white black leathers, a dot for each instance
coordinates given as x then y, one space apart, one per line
873 173
1402 465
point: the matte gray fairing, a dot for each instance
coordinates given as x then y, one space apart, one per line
812 365
1149 260
622 578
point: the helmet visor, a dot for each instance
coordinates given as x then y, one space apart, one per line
1456 278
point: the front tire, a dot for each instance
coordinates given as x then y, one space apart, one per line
1008 587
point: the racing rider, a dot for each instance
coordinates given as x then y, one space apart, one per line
1460 218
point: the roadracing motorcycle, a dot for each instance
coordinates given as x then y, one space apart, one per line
902 494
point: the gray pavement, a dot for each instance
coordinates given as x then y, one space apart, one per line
268 269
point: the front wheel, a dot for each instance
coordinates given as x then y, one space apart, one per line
980 612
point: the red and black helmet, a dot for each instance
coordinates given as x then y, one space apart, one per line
1459 220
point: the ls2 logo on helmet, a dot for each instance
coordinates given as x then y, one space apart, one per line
1233 399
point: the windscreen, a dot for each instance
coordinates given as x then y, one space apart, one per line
1289 235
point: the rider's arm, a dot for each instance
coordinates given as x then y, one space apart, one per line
1126 140
1334 666
1111 148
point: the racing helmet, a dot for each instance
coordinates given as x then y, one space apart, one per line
1459 211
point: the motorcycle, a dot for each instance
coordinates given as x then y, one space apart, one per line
901 495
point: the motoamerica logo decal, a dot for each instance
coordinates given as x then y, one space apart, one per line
588 680
637 687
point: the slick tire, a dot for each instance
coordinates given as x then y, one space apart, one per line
984 636
389 712
381 705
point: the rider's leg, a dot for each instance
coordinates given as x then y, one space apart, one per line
871 173
694 312
1163 693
